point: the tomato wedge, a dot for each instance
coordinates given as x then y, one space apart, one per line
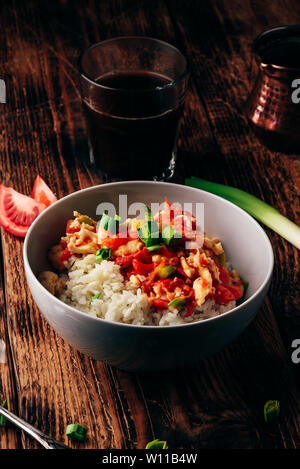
42 193
17 211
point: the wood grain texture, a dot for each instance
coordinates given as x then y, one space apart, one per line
219 402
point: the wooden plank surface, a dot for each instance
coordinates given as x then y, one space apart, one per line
217 403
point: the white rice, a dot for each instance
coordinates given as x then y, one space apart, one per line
119 299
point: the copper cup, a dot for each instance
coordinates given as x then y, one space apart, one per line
272 106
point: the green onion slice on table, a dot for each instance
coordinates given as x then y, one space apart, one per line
254 206
157 444
76 432
271 411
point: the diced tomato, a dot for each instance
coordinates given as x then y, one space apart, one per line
237 291
140 268
191 305
160 304
176 282
223 295
70 229
42 193
166 252
17 211
173 260
144 256
224 276
129 273
124 261
65 256
115 242
151 277
162 286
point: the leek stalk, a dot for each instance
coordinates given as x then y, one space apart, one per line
254 206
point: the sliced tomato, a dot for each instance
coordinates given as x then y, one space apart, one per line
42 193
17 211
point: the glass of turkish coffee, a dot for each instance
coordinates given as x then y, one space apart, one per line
133 91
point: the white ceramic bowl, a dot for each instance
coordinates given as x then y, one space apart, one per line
133 347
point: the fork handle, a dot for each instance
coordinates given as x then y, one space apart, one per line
44 440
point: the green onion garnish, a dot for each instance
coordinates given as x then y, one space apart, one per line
3 419
254 206
155 247
149 231
222 259
165 271
110 224
76 432
177 302
95 297
157 444
169 235
271 411
87 220
103 254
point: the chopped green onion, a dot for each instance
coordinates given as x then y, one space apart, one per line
148 214
3 419
110 224
271 411
165 271
149 233
222 259
87 220
157 444
169 235
103 254
177 302
155 247
95 297
254 206
76 432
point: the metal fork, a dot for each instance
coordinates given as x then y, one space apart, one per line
44 440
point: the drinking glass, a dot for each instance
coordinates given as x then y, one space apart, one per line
133 90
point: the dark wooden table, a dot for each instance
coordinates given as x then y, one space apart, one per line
219 402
